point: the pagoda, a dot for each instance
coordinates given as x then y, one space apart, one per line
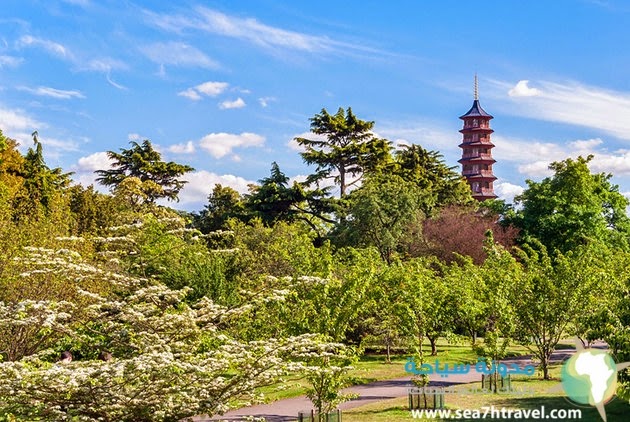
476 148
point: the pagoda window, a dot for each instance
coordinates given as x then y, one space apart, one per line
475 123
475 187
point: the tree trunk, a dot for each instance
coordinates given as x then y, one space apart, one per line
433 341
342 183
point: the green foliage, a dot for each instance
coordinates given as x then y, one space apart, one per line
551 291
348 150
158 179
92 212
42 187
281 250
420 302
163 249
500 273
327 375
573 207
440 184
379 214
223 203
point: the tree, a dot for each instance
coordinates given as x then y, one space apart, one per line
223 203
274 200
145 163
573 207
327 375
551 291
42 185
461 231
441 185
500 273
424 311
379 213
11 166
466 283
348 150
170 361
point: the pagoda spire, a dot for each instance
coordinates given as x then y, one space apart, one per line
476 148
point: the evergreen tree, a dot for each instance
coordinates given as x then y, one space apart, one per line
348 150
159 178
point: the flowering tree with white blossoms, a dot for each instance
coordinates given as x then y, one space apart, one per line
171 360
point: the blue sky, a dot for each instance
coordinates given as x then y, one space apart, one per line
224 86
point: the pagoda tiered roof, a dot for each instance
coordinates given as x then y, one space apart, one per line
476 111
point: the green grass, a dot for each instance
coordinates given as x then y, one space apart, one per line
373 368
545 393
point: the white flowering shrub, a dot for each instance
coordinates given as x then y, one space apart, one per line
327 374
171 362
30 326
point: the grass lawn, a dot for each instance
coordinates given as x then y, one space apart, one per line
543 395
375 368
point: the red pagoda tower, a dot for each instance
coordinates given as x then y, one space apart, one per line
476 148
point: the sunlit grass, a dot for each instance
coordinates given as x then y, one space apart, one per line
373 368
544 393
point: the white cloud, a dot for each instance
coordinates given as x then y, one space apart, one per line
431 136
52 47
293 145
522 89
93 162
86 166
222 144
13 121
10 61
187 148
210 89
253 31
59 144
136 137
264 101
201 183
191 94
586 145
533 157
106 65
569 102
178 54
521 150
238 103
53 92
507 191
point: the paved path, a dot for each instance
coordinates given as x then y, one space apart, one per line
287 409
